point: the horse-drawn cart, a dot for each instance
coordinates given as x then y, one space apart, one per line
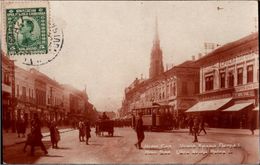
105 126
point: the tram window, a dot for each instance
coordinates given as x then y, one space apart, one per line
149 112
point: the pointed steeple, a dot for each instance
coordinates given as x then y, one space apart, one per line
156 65
156 37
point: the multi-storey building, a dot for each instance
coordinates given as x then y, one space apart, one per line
173 91
75 101
49 96
8 91
26 92
229 84
25 104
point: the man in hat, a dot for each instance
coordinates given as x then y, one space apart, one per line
139 131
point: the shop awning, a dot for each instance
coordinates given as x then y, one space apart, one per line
237 107
210 105
256 108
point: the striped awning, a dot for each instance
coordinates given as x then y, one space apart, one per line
209 105
237 107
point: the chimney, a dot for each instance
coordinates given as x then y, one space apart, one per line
193 58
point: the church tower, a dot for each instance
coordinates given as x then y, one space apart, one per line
156 65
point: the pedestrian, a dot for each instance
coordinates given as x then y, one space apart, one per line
139 131
19 126
195 128
252 122
133 121
54 134
87 130
191 123
37 135
202 126
81 131
23 127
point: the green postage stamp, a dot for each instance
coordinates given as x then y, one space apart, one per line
26 31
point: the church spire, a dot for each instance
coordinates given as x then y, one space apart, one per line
156 65
156 37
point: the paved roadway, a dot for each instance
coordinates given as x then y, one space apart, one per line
158 148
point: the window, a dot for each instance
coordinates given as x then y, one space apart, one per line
209 83
249 73
184 88
230 79
222 80
17 88
174 89
239 76
7 78
23 91
197 87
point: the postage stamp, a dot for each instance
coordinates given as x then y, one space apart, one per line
26 31
30 34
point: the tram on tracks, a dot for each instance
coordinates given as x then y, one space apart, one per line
155 118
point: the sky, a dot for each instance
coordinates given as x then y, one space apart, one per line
108 44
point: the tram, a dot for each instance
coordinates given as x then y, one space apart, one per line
155 118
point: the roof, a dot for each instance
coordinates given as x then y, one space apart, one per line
230 46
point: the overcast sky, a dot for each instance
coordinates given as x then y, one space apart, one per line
108 44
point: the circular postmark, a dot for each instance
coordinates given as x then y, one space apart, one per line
56 41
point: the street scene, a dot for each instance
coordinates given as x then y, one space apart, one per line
130 82
163 147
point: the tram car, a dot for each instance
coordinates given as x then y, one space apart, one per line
105 126
154 118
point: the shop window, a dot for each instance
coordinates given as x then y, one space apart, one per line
249 73
239 76
222 80
230 79
209 83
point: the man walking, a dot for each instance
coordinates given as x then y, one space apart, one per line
202 126
87 130
190 123
139 131
196 128
37 135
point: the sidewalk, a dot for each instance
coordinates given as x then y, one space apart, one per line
10 138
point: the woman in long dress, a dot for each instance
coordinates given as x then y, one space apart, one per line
88 130
55 135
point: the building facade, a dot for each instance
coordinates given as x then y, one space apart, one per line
8 92
26 92
229 84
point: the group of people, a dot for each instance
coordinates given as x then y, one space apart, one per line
84 130
35 137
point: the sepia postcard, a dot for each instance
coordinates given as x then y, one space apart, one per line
129 82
